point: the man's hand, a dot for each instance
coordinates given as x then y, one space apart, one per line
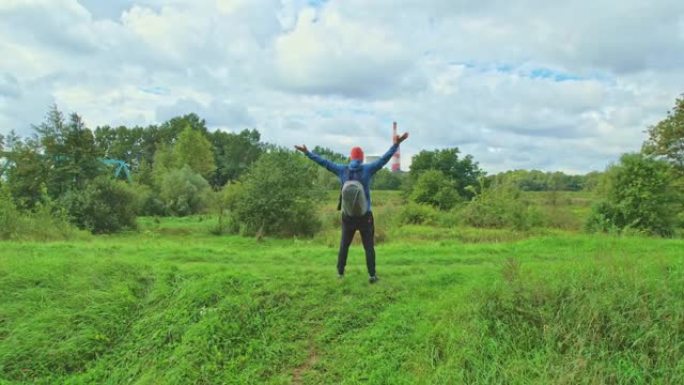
398 139
302 148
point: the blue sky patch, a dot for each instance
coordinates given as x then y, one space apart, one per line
316 3
558 76
155 90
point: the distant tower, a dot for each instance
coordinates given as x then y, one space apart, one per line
396 159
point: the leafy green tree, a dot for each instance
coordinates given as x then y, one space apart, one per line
637 194
592 180
234 154
436 189
122 143
666 138
194 150
69 151
277 197
164 161
169 131
144 174
137 145
27 173
462 172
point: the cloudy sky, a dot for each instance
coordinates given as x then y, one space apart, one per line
517 84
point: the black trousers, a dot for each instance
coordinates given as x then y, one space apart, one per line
366 226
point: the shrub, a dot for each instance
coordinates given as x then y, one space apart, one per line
45 222
9 215
48 222
105 206
385 179
602 219
184 191
638 195
434 188
500 206
147 203
277 197
418 214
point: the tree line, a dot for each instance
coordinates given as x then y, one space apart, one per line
181 168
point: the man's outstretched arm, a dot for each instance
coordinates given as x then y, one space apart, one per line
378 164
330 166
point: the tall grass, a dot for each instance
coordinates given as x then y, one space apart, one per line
44 223
172 304
188 307
612 322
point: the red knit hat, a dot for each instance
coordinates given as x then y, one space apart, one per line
356 153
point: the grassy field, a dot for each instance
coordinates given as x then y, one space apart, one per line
172 304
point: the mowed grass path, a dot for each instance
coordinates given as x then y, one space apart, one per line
179 307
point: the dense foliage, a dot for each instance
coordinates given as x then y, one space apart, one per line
277 196
170 164
434 188
44 222
175 166
388 180
535 180
666 139
104 206
501 206
638 194
183 191
462 172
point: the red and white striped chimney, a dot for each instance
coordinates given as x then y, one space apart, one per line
396 158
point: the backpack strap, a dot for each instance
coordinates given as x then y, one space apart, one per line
339 200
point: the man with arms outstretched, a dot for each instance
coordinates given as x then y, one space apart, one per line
359 174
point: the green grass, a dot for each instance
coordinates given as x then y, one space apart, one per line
171 304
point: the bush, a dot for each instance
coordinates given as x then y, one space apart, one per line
418 214
9 215
277 197
434 188
638 195
602 219
105 206
44 223
500 206
148 203
385 179
184 191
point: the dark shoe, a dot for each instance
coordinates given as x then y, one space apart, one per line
373 279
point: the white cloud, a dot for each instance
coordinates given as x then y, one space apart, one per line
326 53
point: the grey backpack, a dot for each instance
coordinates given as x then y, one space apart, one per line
352 198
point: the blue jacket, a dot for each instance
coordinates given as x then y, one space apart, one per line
361 172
